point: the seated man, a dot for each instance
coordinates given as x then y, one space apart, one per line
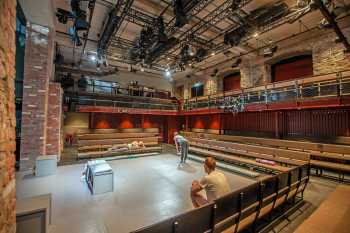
215 184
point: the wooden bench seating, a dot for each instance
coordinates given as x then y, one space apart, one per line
331 216
294 157
241 153
323 156
250 154
106 147
239 209
96 142
236 159
98 154
85 144
100 136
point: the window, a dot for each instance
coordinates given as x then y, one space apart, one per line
197 90
232 81
292 68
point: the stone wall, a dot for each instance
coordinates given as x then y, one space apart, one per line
7 116
328 57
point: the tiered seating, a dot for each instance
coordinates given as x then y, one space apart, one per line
239 209
247 154
323 156
95 143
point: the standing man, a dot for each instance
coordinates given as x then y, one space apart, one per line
181 142
215 184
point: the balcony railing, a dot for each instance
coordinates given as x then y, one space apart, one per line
139 91
330 85
73 102
110 96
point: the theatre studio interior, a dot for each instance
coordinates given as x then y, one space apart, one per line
174 116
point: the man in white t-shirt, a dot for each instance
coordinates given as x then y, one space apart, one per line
215 184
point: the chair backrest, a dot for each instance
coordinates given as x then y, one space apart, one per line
283 179
251 195
294 175
304 171
197 220
227 206
269 186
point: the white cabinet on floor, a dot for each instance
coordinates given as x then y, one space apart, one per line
45 165
99 176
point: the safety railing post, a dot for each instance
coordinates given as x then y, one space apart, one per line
296 89
209 101
339 84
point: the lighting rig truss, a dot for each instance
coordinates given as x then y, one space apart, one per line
115 18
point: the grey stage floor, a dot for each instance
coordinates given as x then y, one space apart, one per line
147 190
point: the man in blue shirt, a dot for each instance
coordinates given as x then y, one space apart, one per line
181 143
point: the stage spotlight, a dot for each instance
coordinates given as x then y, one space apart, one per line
234 37
190 51
236 63
235 4
63 15
93 58
269 51
167 73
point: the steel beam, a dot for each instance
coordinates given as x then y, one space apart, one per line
331 19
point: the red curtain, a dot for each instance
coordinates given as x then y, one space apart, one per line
232 82
292 68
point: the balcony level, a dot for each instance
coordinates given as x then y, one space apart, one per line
330 90
111 99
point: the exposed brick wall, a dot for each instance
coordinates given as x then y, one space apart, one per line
7 116
328 57
37 74
53 129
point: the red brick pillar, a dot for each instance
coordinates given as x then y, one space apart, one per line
37 75
54 120
7 116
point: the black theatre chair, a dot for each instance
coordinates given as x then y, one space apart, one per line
199 220
283 188
269 190
237 210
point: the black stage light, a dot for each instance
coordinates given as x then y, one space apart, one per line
81 25
201 53
236 63
67 81
235 4
63 15
234 37
270 51
179 12
82 82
